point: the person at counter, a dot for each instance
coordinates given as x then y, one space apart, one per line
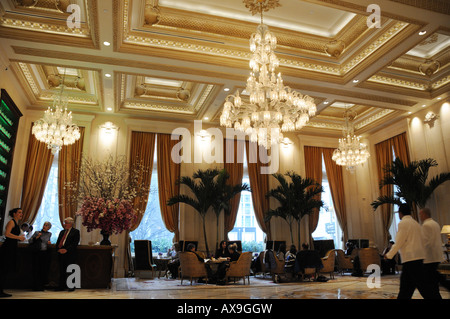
66 248
41 256
8 251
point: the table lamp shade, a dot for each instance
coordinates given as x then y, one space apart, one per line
445 229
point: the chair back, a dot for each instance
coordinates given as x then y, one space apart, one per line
328 261
143 254
367 257
241 267
191 266
343 261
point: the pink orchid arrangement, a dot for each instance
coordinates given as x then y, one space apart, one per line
112 216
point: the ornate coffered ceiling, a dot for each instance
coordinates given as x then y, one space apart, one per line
174 60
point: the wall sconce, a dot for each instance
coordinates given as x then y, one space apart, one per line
204 135
286 142
108 128
430 118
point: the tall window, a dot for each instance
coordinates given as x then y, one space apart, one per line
152 226
49 210
395 218
328 226
246 228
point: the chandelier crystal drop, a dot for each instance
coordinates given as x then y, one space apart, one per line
56 128
351 151
271 108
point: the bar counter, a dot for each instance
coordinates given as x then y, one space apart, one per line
96 266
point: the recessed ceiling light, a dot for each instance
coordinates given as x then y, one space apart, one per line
439 98
107 43
226 89
206 118
355 81
409 112
326 102
109 108
423 105
422 32
108 75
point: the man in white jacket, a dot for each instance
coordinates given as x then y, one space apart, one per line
409 243
431 234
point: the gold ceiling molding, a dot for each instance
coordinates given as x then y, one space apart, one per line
399 82
441 6
172 105
51 26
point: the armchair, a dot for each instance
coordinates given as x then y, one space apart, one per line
343 262
240 268
191 267
328 263
368 256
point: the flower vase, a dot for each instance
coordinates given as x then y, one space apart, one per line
105 241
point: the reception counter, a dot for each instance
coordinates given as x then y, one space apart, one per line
96 266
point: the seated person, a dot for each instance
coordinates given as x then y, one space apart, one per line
222 251
290 259
175 262
281 253
307 258
191 248
222 270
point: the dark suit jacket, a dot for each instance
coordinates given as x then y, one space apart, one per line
72 240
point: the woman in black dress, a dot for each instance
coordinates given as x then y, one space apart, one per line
8 251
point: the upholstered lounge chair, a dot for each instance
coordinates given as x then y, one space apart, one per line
240 268
367 257
191 267
328 263
343 262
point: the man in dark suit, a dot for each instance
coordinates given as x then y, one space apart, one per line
66 248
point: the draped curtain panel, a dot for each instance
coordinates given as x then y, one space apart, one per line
336 182
168 175
259 184
384 156
313 169
142 151
37 168
69 163
233 164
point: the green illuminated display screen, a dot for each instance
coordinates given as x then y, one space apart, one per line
9 122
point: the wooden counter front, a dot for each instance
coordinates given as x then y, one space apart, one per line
96 266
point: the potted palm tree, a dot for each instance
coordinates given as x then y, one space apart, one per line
201 184
411 181
224 193
296 198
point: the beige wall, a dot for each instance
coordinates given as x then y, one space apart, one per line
361 187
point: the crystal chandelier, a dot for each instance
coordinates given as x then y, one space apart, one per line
351 151
56 128
272 108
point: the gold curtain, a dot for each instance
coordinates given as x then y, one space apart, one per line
235 168
259 184
384 156
336 182
313 169
37 167
168 175
401 151
69 163
141 153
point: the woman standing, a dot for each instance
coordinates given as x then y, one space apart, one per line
8 251
41 257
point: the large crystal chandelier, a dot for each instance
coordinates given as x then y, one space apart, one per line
56 128
272 108
351 151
